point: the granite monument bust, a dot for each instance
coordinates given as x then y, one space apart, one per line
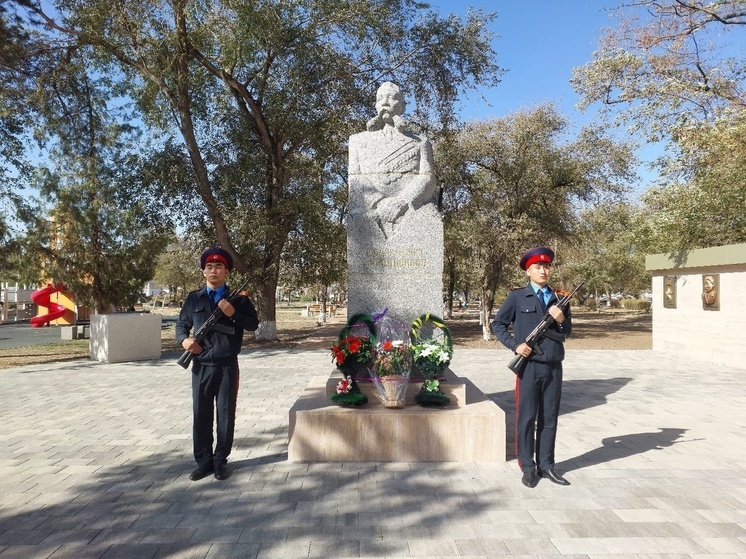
394 228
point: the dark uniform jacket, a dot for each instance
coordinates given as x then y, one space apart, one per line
226 344
523 310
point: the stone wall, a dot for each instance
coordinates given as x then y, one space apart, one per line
683 324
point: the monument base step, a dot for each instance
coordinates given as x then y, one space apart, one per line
472 430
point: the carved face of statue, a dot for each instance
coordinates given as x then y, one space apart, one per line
389 100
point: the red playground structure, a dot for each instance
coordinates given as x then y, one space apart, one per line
42 298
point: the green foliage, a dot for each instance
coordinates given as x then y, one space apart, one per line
258 89
665 64
520 181
668 70
709 207
104 236
608 250
178 267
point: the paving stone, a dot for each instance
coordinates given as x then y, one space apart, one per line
98 458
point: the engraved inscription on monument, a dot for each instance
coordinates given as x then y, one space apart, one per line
404 260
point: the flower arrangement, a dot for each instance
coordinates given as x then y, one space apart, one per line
353 354
352 349
390 373
431 358
347 393
392 359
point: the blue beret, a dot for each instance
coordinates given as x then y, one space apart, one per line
216 254
538 254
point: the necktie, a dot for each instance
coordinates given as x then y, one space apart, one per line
542 295
214 298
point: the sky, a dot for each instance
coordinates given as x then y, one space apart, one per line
539 42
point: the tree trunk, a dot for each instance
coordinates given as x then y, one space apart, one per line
484 315
266 307
322 305
488 302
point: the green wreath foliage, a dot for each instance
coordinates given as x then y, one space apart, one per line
353 353
349 399
431 357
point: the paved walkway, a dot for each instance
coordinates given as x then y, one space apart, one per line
96 460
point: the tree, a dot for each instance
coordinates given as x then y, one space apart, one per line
671 71
103 238
608 249
15 46
314 255
15 49
667 65
524 183
291 77
708 206
178 267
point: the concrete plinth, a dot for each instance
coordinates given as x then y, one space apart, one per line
69 332
125 337
471 429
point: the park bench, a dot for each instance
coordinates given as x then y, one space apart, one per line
331 310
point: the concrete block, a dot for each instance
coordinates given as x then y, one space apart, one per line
69 332
125 337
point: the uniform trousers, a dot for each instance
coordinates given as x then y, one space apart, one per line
537 398
214 386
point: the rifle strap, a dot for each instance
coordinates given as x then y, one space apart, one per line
556 336
223 329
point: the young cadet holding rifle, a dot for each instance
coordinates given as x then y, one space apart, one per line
215 360
539 385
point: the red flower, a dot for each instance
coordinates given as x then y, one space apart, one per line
351 349
387 345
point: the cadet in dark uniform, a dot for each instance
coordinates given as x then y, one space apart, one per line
538 390
214 367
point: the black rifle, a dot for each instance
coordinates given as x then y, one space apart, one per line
200 336
518 364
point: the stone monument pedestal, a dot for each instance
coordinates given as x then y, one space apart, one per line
470 429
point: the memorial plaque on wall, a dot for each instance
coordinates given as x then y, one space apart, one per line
711 292
669 292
